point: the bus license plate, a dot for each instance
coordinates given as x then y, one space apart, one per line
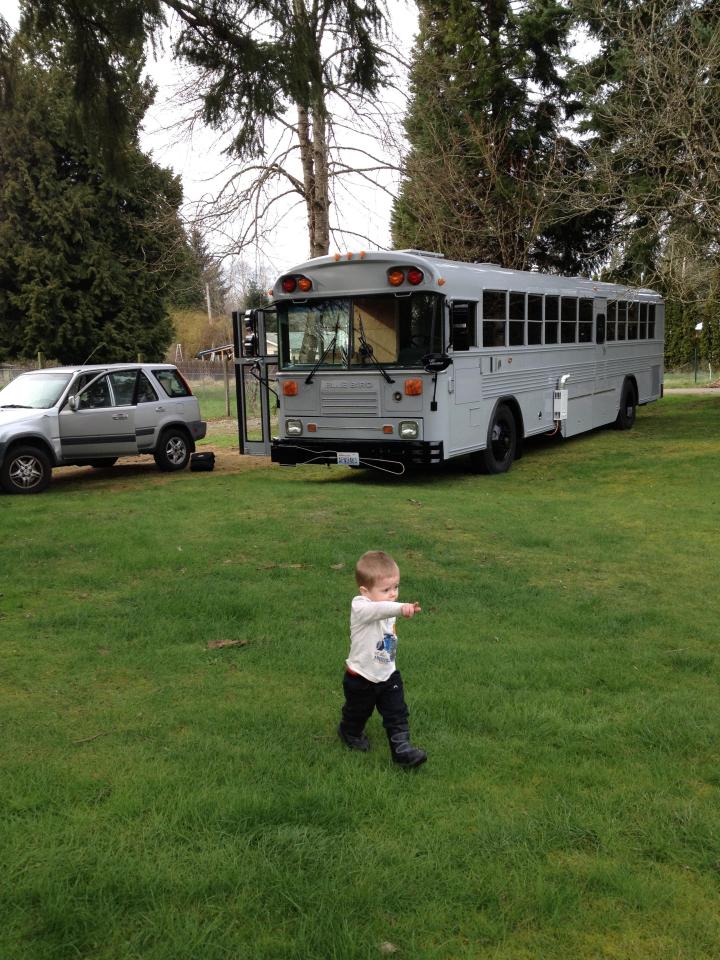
348 459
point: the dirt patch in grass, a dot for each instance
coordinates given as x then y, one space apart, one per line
228 460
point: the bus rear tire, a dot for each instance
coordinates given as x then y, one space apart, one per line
501 449
628 407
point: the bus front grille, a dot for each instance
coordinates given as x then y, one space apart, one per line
359 404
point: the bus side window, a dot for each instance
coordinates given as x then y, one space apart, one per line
494 317
552 309
611 320
632 320
535 317
585 327
568 320
463 325
517 320
622 320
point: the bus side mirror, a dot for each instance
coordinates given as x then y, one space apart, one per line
250 341
436 362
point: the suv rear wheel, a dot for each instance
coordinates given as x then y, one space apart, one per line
25 470
173 450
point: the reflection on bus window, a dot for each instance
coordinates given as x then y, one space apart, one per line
343 332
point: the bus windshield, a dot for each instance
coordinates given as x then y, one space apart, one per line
400 330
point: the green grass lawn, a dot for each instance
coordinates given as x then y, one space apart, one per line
688 378
165 801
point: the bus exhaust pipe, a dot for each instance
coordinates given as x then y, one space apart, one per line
560 399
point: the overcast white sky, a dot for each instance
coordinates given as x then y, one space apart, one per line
198 159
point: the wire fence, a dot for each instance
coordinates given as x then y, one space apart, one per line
193 370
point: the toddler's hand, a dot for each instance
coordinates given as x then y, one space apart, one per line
410 609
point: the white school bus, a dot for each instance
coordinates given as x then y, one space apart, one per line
387 359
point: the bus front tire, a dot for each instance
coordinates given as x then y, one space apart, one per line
501 448
628 407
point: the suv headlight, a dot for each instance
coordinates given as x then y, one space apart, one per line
293 428
408 430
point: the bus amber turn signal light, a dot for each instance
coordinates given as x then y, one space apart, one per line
305 284
413 388
289 388
395 277
387 428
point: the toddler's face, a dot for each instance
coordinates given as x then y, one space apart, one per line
386 588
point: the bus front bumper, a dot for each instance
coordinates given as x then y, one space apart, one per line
289 452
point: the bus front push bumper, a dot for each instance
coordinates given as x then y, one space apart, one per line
304 450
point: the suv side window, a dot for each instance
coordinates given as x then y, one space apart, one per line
123 387
96 396
145 390
172 383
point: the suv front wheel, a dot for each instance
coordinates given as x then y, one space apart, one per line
173 450
25 470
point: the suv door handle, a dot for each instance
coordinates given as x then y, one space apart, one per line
160 409
120 416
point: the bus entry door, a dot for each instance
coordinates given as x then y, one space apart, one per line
255 380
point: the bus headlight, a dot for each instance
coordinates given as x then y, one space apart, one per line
408 430
293 428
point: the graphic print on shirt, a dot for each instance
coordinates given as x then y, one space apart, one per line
386 648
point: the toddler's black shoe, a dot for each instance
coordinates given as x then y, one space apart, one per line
355 743
403 752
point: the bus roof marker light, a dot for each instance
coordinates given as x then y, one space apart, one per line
337 257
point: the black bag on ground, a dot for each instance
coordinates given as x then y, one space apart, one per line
202 461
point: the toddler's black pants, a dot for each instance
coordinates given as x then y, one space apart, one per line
362 697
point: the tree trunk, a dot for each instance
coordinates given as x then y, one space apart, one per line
314 158
320 242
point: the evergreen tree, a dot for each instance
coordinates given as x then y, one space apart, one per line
202 277
86 260
483 179
652 111
261 61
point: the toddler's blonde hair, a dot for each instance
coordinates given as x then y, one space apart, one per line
372 566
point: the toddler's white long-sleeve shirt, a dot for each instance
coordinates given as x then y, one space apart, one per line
373 641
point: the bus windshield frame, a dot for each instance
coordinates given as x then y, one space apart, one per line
335 332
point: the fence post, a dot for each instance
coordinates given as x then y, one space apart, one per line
40 359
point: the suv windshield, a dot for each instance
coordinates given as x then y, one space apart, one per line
36 391
400 330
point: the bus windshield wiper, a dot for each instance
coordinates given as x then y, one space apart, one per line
326 351
366 351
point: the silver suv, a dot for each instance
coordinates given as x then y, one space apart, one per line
92 415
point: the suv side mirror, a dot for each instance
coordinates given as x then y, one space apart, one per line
73 402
